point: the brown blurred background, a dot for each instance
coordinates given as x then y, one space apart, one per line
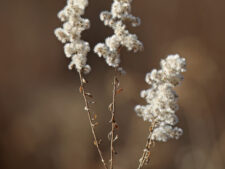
42 121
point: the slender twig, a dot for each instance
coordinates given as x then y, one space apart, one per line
146 153
87 108
113 120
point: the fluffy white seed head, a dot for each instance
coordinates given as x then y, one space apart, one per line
163 132
116 18
161 98
70 33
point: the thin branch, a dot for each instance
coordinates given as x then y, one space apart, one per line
87 108
146 153
113 121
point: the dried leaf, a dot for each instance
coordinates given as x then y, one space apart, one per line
99 142
84 80
86 108
110 135
89 95
116 126
116 138
91 102
95 124
119 91
95 143
81 89
112 120
94 117
110 107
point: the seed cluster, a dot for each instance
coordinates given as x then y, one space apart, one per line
70 34
162 99
120 14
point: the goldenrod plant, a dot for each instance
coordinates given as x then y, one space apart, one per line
161 97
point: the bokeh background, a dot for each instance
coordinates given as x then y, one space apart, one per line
42 121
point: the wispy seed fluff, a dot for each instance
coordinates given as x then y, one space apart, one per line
116 18
70 34
162 99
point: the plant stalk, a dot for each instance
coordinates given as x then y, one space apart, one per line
87 108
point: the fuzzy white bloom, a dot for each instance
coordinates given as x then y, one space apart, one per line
162 99
116 18
70 33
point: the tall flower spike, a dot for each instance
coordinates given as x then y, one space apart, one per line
70 33
162 99
116 18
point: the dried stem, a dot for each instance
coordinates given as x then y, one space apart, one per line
113 120
87 108
146 153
